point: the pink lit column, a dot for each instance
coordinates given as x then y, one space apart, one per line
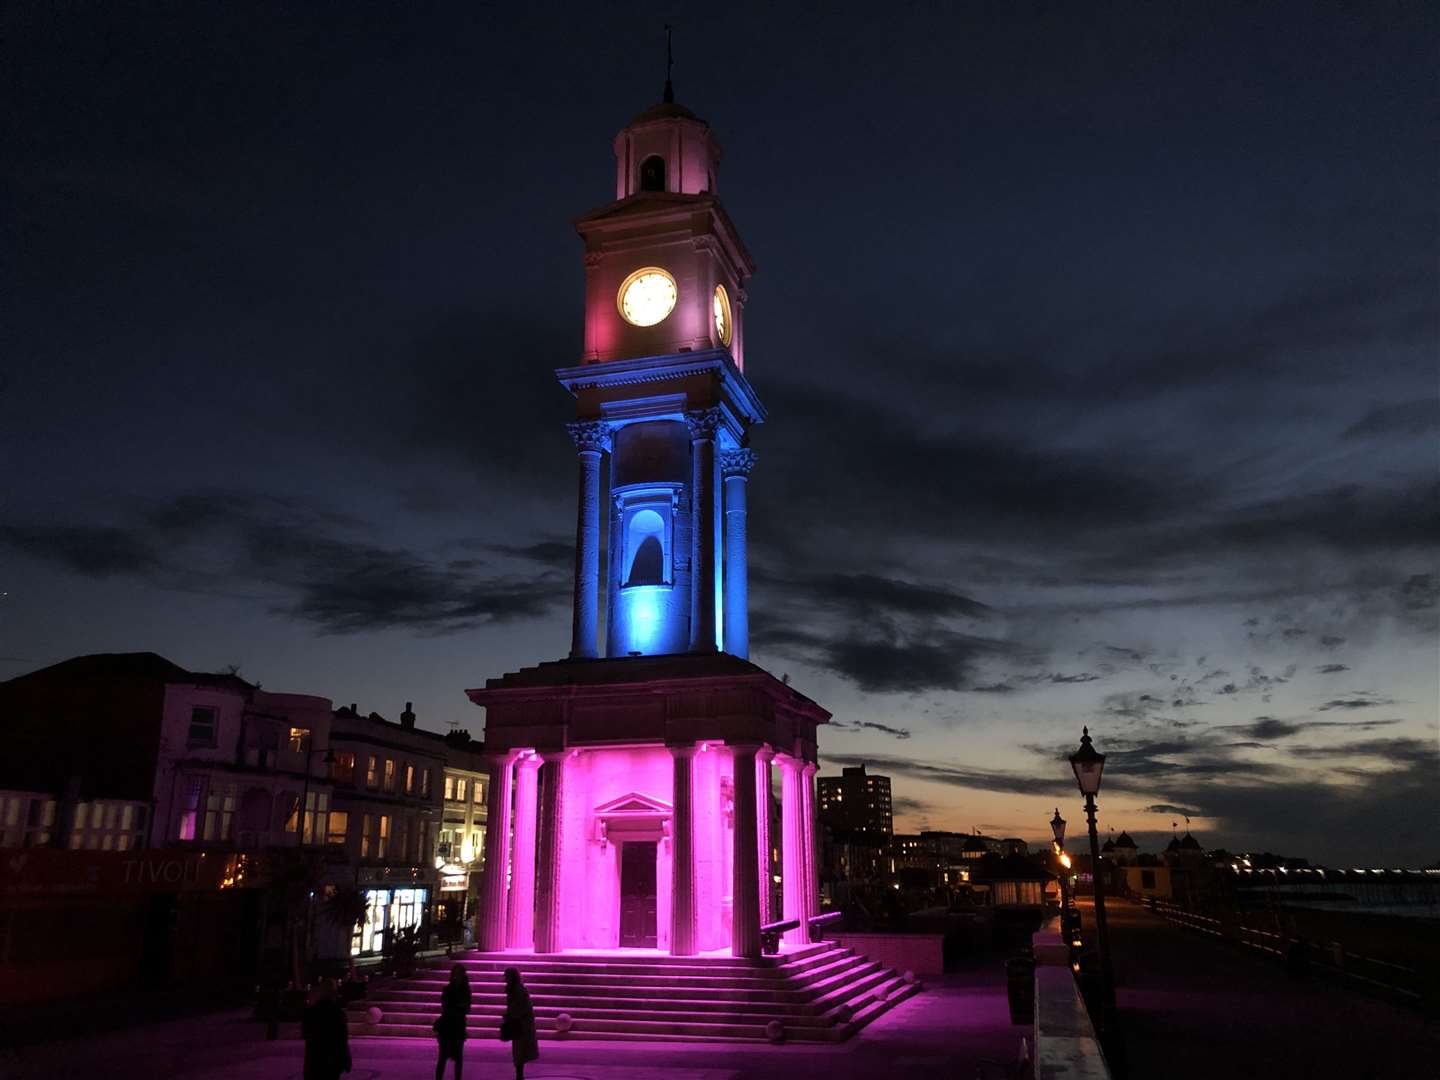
807 821
547 886
682 855
762 827
792 870
745 885
491 928
522 870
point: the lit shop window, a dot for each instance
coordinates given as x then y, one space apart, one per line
107 825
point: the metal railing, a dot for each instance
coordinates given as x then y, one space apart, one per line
1331 959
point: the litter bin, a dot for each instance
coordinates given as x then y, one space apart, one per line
1020 985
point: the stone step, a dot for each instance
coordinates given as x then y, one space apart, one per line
783 1001
821 993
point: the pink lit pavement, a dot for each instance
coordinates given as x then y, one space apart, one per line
960 1019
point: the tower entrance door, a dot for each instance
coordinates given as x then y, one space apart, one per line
637 894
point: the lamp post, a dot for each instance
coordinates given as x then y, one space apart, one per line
1088 765
1057 826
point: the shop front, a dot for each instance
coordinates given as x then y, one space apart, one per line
387 912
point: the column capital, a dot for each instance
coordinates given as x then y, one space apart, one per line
550 756
703 423
737 462
528 761
591 436
809 769
682 750
501 757
765 754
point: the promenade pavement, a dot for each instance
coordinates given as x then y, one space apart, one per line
943 1032
1194 1008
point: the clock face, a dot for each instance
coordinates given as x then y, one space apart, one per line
647 296
724 326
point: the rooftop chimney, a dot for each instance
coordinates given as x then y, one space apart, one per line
407 718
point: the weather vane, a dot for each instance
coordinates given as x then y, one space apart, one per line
669 66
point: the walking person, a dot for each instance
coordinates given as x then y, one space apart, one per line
518 1025
450 1028
326 1033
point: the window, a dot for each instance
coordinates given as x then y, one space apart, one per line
372 777
202 727
402 834
299 740
449 788
292 813
645 546
460 788
479 791
389 775
652 173
477 845
338 829
384 841
317 806
367 835
219 809
409 779
189 810
343 771
425 783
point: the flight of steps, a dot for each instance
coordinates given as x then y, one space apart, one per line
821 992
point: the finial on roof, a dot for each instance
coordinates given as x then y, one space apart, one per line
669 67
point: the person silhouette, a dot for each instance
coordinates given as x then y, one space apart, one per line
518 1025
450 1028
326 1033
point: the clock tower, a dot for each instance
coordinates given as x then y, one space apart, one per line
654 740
663 407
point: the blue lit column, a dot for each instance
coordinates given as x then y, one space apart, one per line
703 424
592 438
735 466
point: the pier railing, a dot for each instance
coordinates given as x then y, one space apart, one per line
1329 959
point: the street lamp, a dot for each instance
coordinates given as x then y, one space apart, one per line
1057 826
1088 765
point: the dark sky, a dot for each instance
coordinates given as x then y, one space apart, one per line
1099 343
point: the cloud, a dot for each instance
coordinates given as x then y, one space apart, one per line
1358 701
309 564
1408 419
1331 669
959 776
870 725
1176 811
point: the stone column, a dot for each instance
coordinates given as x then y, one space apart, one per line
703 425
682 855
745 866
547 886
811 876
490 933
792 855
735 466
592 438
763 797
522 869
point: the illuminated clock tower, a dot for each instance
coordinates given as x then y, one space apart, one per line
631 791
664 408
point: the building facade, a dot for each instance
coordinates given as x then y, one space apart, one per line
855 806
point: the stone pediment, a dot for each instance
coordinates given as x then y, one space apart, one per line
633 805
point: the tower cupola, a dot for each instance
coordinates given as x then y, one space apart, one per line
666 149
